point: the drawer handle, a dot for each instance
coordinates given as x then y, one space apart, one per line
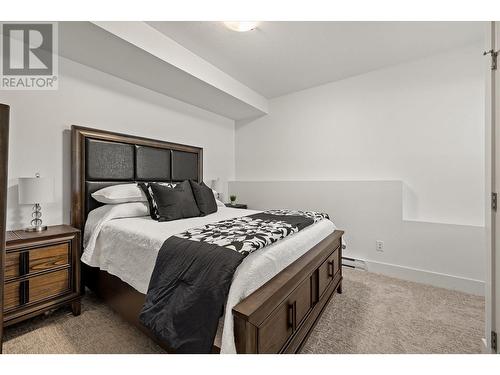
330 268
24 290
24 263
290 315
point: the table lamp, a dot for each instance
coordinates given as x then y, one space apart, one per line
218 186
36 190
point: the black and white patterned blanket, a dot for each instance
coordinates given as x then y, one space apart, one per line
194 270
247 234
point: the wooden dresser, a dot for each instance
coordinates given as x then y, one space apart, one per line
42 272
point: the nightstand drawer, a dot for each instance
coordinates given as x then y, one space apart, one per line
12 262
48 285
42 272
36 289
12 295
36 260
48 257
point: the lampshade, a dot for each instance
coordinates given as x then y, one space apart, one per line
218 185
36 190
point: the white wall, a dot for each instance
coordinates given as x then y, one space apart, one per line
40 137
419 122
446 255
418 125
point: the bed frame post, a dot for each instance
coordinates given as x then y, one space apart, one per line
245 337
77 168
4 154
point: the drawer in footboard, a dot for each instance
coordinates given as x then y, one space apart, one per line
327 271
279 327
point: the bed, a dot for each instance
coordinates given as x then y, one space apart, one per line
276 296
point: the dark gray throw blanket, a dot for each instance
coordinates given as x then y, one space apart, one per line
194 270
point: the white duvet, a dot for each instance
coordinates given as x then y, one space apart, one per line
124 241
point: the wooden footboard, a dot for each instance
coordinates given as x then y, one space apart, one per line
279 316
276 318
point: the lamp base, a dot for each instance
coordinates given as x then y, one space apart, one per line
39 228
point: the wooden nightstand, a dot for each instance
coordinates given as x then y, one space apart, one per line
42 272
237 205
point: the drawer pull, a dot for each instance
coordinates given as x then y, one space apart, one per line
330 268
24 261
24 289
290 315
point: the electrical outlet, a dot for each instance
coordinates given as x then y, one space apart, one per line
379 245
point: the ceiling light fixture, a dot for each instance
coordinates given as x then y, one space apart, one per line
241 26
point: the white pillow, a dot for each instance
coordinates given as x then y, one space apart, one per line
123 193
100 216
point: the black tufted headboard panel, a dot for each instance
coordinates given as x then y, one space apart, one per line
101 158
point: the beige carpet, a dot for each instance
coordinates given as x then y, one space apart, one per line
379 314
375 314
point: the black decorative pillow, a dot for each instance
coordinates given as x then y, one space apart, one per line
153 207
174 203
204 197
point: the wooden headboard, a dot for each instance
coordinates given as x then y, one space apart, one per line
100 158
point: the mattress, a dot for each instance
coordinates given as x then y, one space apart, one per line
122 241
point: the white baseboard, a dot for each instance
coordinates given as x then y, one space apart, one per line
441 280
484 347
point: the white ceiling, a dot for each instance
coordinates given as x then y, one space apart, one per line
282 57
104 46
